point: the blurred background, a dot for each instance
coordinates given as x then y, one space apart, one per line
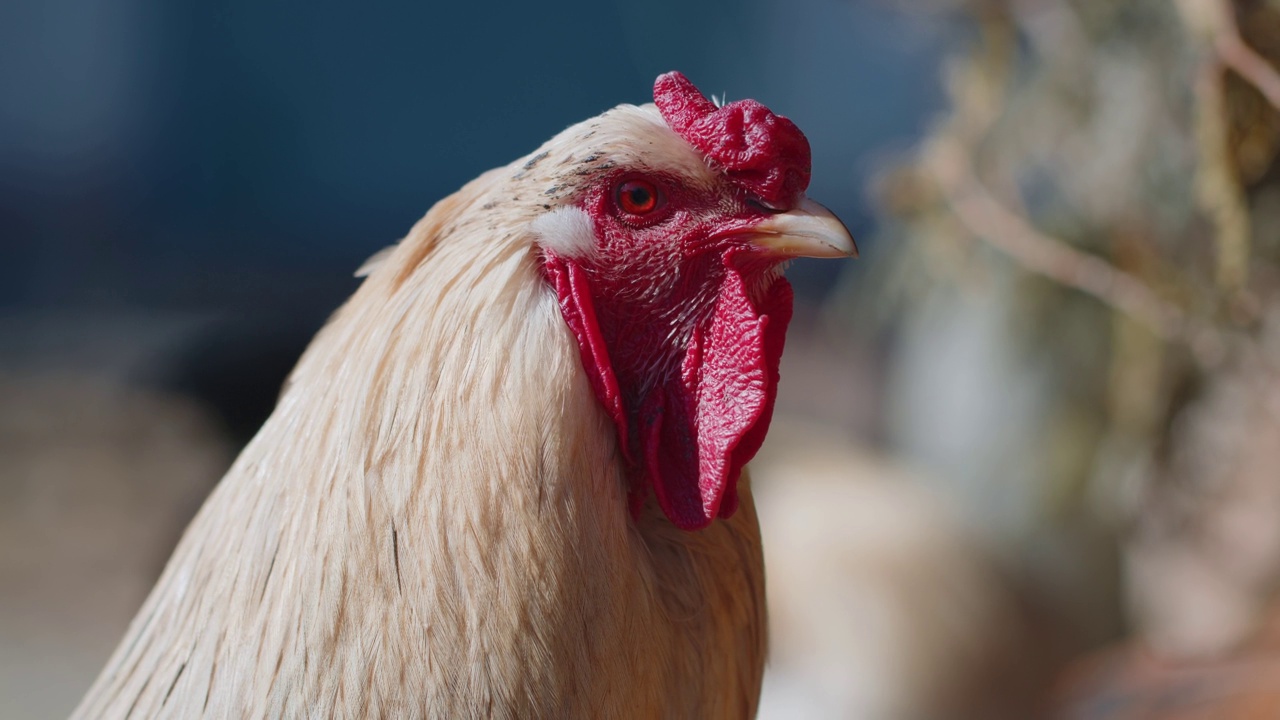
1026 458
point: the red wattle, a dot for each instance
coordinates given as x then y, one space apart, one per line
776 309
711 420
574 292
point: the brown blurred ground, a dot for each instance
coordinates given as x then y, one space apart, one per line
97 480
100 468
1133 683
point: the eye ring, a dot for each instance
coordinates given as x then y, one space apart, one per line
638 197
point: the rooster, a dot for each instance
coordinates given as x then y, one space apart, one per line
506 479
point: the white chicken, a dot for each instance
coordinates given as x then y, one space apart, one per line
504 480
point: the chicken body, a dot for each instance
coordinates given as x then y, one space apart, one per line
438 519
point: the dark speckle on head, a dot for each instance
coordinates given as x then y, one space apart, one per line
535 160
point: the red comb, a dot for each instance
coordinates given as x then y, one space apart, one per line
764 153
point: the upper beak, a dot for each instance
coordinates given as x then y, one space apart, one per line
809 230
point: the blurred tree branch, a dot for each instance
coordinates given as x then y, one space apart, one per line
1231 49
1036 252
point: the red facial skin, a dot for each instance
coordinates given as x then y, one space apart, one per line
680 321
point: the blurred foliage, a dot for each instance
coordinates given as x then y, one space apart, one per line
1107 172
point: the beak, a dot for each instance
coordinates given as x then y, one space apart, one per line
809 230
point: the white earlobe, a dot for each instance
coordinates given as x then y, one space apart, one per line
566 231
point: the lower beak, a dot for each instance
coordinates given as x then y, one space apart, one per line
809 230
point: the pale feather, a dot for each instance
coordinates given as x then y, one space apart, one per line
433 523
369 265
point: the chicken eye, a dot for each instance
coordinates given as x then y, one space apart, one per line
637 197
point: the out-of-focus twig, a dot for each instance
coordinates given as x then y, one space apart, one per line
1220 191
988 219
1218 187
1235 53
1215 22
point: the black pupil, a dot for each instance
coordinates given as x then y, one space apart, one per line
638 196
